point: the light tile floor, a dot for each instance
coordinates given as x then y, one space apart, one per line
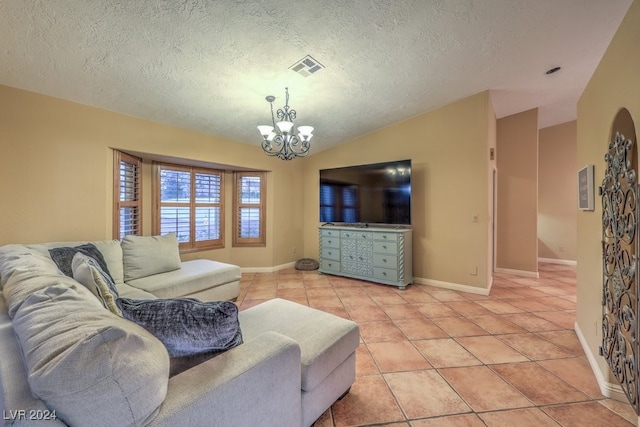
436 357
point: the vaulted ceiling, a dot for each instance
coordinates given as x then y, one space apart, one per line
207 65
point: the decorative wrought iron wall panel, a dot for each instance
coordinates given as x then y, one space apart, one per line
619 194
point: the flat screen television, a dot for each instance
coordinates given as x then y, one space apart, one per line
378 193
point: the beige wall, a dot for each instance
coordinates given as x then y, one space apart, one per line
56 180
56 175
557 192
448 149
614 85
517 236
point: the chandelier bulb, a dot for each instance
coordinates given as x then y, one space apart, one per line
285 126
265 130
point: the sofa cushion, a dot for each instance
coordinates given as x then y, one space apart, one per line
88 273
186 326
23 271
112 253
90 366
194 276
63 257
148 255
325 340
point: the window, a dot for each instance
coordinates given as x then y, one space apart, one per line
189 202
127 203
349 204
249 209
327 203
338 203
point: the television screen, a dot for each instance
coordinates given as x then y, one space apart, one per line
377 193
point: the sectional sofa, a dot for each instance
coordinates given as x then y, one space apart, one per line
65 359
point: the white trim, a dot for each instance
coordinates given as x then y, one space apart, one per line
267 269
610 390
558 261
518 272
452 286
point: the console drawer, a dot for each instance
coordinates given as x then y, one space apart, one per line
360 235
386 237
385 247
329 233
385 261
330 266
385 274
331 253
331 242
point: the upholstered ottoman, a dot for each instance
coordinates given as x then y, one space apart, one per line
327 343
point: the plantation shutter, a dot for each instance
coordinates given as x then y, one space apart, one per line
175 203
208 215
127 196
249 197
190 204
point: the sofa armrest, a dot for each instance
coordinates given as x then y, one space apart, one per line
256 383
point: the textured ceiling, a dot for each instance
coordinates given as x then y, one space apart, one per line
207 65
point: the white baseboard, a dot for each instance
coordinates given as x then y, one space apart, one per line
558 261
267 269
452 286
610 390
518 272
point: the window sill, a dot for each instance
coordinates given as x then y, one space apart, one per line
202 249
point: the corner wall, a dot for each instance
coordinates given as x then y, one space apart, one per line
557 192
517 228
449 152
614 85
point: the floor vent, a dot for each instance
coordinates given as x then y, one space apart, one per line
306 66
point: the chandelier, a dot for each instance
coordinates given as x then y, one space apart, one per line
280 139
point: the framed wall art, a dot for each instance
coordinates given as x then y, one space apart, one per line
585 188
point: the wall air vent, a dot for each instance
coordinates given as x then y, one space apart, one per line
306 66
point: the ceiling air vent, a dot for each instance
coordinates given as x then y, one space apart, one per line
306 66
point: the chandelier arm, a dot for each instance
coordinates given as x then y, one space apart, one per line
299 147
279 141
267 148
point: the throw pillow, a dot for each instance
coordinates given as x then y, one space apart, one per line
88 272
144 256
186 326
63 257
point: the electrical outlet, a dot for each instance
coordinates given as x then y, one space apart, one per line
561 249
293 251
473 270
